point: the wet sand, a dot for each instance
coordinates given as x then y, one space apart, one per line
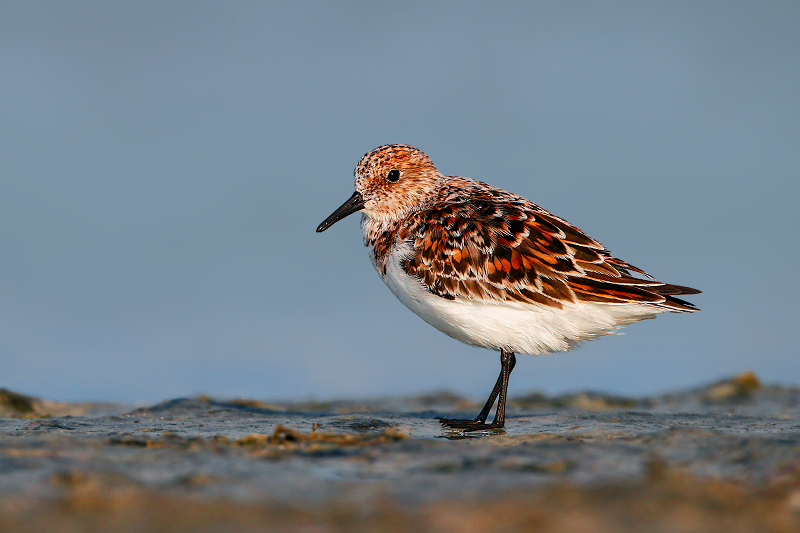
724 457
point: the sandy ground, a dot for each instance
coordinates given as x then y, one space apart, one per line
725 457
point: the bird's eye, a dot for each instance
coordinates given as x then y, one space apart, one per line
393 175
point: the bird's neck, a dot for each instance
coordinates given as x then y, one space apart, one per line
379 237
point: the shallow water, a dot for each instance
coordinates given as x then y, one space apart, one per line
393 452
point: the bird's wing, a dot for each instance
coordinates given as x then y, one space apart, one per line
491 245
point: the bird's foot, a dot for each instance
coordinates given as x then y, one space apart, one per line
469 425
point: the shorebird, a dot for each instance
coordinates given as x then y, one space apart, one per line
490 268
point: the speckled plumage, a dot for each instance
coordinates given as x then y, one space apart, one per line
491 268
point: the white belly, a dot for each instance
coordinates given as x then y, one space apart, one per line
516 327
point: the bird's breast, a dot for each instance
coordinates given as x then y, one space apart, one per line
379 239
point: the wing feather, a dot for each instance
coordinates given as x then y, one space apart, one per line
481 244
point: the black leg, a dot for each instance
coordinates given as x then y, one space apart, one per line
507 363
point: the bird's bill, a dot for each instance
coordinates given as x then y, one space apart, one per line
355 203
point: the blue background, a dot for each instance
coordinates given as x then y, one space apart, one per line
163 166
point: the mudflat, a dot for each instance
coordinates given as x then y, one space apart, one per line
723 457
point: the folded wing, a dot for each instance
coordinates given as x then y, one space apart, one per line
482 245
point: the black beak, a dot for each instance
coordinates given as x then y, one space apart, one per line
355 203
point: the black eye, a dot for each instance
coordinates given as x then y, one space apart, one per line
393 175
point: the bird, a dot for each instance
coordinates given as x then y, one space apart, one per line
492 269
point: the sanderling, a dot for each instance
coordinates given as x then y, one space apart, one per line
490 268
